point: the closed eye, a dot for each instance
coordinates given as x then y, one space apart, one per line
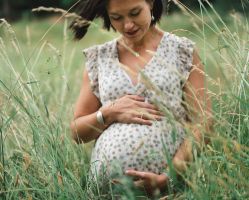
135 13
114 17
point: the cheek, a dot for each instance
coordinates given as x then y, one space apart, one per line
116 25
144 20
144 23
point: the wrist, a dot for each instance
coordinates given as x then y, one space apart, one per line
107 112
162 182
166 181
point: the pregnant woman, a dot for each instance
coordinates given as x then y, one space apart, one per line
138 93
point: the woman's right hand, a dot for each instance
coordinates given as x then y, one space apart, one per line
132 109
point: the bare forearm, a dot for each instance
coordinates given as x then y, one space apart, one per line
183 156
184 153
126 109
87 128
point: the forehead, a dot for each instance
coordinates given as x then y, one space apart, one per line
115 6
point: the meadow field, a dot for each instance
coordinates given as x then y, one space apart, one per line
40 78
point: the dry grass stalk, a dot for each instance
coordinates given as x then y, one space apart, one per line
78 20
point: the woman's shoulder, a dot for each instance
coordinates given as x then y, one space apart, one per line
103 49
179 41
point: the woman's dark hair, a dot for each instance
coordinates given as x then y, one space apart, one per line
89 10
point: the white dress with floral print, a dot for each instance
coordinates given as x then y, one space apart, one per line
141 147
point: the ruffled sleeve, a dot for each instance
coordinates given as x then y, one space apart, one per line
91 65
185 59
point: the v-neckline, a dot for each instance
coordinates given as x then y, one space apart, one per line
116 57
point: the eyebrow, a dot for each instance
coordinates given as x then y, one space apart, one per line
135 8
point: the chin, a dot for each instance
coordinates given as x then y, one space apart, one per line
136 38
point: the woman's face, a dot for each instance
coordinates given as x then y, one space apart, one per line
131 18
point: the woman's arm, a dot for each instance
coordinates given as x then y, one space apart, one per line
199 107
85 126
127 109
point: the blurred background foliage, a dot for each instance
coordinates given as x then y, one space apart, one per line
14 10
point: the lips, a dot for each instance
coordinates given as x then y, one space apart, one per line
131 33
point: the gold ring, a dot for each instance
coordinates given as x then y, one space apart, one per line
112 103
141 116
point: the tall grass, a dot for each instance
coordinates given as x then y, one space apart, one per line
39 83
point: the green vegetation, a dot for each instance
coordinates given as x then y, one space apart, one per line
40 78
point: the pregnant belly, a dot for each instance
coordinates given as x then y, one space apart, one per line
134 146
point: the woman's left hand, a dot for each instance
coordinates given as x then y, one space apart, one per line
148 180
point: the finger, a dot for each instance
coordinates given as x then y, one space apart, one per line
136 97
149 111
146 115
142 121
147 105
149 116
138 174
155 112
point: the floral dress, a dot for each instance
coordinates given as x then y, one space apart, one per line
133 146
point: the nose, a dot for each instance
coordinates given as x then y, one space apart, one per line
128 25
